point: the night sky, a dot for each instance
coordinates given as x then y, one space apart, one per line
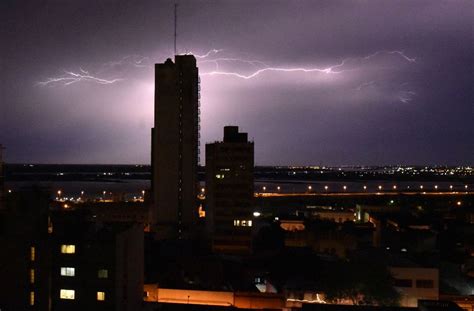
312 82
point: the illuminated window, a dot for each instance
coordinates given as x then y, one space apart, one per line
67 294
32 276
242 223
101 296
32 253
103 273
32 298
68 249
68 271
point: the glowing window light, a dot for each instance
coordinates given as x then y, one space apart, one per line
67 294
103 273
32 253
100 296
68 271
68 249
32 298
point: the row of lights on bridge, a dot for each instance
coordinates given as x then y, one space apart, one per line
394 187
264 188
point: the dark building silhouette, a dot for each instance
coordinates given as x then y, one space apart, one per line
60 260
2 179
175 147
229 192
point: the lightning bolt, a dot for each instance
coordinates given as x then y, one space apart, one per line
400 53
134 60
259 67
327 70
210 52
70 77
406 96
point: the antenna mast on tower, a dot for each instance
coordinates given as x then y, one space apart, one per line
175 25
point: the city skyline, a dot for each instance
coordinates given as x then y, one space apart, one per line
329 83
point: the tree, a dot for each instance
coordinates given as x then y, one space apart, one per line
366 284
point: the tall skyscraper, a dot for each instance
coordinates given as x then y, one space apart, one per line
175 147
229 192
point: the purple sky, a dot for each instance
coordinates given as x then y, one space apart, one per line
312 82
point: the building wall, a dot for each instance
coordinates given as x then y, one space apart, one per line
229 194
107 260
129 272
23 228
2 179
175 140
214 298
421 283
335 216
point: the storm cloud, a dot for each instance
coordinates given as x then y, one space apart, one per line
312 82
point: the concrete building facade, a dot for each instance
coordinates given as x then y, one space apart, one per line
175 147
